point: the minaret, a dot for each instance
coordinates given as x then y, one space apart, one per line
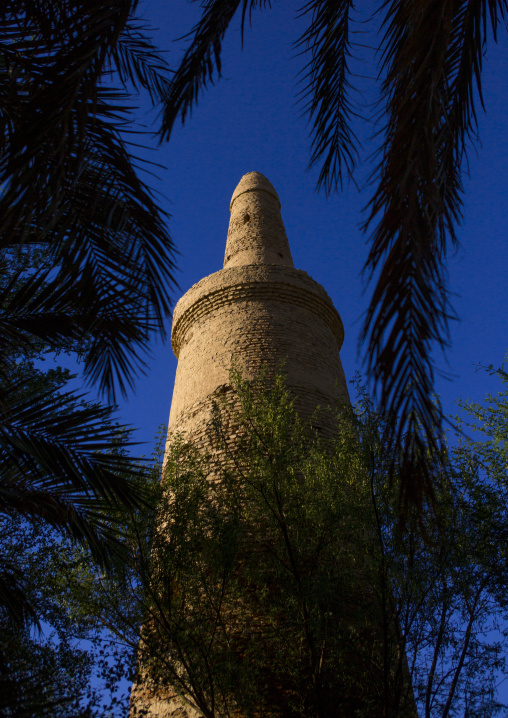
258 311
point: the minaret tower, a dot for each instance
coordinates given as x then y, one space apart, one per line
258 311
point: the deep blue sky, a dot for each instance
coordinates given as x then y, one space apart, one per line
250 121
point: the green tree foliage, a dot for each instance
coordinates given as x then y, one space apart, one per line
61 660
260 591
275 576
428 61
444 581
280 580
44 671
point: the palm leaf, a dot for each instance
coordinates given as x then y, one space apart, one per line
325 93
202 59
69 178
139 63
110 248
432 58
64 461
33 310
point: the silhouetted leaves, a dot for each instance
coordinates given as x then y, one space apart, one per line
326 91
65 462
69 180
86 264
203 58
432 55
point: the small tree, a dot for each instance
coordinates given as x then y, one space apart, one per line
261 599
444 578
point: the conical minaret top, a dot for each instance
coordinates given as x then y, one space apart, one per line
256 232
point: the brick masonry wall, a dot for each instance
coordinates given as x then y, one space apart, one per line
256 316
256 232
258 311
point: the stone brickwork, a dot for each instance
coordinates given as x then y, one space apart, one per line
258 311
256 232
257 314
146 703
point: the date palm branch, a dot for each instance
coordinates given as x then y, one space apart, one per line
69 180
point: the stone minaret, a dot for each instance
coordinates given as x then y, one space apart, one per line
258 311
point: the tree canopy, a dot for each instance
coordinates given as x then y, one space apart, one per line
280 576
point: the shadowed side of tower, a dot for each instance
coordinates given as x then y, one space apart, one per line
257 312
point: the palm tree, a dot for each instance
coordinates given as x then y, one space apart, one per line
86 262
430 60
69 181
63 461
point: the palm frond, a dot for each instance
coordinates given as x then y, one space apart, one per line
69 179
64 462
112 254
138 62
326 91
102 327
33 309
54 53
432 57
202 60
